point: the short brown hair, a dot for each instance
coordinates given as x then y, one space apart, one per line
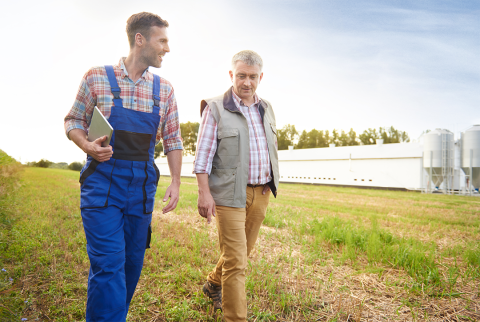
141 23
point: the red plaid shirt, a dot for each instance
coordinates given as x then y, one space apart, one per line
94 91
259 164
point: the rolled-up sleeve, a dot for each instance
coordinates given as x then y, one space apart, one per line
206 143
169 131
85 101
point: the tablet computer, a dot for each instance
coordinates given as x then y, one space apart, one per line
99 127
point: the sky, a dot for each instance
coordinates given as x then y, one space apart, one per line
414 65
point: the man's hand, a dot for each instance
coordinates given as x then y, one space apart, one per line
96 151
206 205
173 192
266 189
174 159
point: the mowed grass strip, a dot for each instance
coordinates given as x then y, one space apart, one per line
320 256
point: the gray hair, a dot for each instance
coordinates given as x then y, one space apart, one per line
249 57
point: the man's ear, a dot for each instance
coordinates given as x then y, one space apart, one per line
260 79
231 75
138 39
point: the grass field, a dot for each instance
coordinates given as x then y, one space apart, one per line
324 254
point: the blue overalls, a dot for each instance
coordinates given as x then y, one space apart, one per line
117 199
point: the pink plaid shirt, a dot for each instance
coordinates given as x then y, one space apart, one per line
94 91
259 164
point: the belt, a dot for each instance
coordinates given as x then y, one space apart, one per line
255 185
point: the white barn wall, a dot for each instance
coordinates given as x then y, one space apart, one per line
386 166
187 166
385 173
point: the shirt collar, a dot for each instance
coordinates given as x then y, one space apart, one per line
239 101
121 65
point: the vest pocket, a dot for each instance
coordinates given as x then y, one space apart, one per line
222 183
227 142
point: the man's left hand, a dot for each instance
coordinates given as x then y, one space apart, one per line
173 192
266 189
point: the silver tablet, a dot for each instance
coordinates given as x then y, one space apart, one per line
99 127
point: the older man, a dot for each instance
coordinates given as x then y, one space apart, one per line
237 167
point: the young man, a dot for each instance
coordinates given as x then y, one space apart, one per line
118 182
237 167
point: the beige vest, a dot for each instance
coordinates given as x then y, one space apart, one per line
229 176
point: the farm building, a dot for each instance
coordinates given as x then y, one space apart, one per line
406 166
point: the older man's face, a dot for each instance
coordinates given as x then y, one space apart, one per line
245 79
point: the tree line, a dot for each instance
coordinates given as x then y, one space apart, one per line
288 135
43 163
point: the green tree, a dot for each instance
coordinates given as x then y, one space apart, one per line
392 135
189 132
343 139
335 138
42 163
352 138
369 136
286 136
388 135
75 166
313 139
302 141
328 139
323 139
158 150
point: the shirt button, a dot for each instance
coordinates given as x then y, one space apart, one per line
134 100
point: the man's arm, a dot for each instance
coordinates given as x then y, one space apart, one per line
75 122
206 204
206 148
94 149
174 159
169 132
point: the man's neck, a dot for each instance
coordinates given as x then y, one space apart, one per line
134 66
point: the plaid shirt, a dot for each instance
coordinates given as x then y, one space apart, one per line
94 91
259 164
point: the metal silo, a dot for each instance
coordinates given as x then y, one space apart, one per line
470 156
438 159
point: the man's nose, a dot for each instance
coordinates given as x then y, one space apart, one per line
166 48
247 82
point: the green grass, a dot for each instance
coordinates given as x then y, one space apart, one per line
323 253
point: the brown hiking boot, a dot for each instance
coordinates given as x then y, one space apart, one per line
215 293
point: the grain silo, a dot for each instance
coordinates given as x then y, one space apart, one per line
438 159
470 157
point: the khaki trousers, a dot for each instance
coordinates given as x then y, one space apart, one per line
237 233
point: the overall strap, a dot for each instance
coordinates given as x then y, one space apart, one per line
156 94
117 101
